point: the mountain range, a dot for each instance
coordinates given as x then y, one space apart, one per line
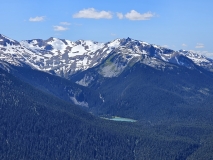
103 67
65 58
169 93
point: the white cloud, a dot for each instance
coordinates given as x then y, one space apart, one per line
134 15
199 45
113 34
92 13
60 28
77 24
184 45
37 19
165 45
65 23
120 15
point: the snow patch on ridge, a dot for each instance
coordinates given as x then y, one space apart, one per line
85 81
84 104
57 44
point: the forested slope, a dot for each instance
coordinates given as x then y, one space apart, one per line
35 125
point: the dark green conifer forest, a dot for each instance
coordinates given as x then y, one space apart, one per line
35 124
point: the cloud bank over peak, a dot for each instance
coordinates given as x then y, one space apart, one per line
199 45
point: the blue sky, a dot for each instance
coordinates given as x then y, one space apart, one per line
177 24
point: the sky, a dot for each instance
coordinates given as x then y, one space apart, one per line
176 24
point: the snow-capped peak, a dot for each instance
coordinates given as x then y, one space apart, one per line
65 57
114 44
4 41
3 37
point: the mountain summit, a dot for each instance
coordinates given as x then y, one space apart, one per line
65 58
